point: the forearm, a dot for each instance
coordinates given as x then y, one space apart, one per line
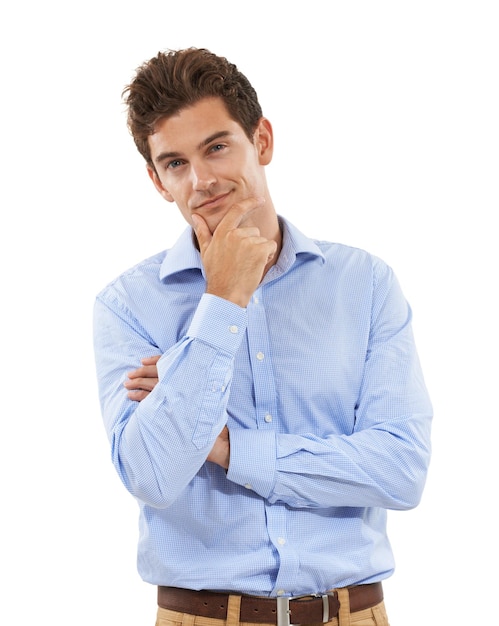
377 468
381 461
159 444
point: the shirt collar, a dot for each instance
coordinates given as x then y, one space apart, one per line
184 256
294 244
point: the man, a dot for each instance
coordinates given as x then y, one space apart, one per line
287 411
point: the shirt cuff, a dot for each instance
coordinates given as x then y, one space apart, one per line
219 323
253 459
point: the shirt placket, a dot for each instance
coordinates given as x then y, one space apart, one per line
268 419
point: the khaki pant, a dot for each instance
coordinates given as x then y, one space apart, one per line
375 616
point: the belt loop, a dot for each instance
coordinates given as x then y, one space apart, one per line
188 620
344 612
233 610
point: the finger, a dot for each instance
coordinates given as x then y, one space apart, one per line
147 384
203 233
248 232
147 371
253 237
272 247
150 360
138 396
239 212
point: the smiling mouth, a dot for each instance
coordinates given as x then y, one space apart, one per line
212 202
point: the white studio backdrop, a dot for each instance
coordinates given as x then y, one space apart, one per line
386 130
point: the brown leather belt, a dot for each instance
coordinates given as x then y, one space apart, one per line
300 610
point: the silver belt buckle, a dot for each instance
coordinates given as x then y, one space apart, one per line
284 612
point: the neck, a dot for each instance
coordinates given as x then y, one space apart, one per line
274 233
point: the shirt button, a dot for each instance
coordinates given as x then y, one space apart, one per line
281 541
260 356
255 299
248 486
280 592
234 329
268 418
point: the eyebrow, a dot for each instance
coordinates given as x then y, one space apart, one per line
173 155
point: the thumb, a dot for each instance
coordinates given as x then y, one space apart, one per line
202 231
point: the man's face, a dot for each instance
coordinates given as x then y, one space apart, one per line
205 162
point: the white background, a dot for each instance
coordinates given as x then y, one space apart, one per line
386 126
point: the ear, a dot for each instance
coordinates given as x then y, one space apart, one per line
158 184
264 141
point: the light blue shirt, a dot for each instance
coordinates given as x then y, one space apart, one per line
329 418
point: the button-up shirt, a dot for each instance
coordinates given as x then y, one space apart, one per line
319 383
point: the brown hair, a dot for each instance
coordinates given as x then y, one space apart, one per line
176 79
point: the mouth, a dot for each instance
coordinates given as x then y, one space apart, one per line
212 202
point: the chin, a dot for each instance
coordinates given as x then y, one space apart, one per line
213 223
214 217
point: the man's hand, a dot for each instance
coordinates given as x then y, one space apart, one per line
140 384
235 256
142 381
220 453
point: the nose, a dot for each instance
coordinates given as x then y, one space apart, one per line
202 176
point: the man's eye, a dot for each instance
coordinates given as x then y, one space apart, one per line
174 164
217 147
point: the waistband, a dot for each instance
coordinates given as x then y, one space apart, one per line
281 610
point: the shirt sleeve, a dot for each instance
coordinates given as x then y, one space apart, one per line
159 444
384 461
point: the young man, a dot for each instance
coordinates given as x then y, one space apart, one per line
287 412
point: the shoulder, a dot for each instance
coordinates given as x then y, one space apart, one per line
138 277
341 255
